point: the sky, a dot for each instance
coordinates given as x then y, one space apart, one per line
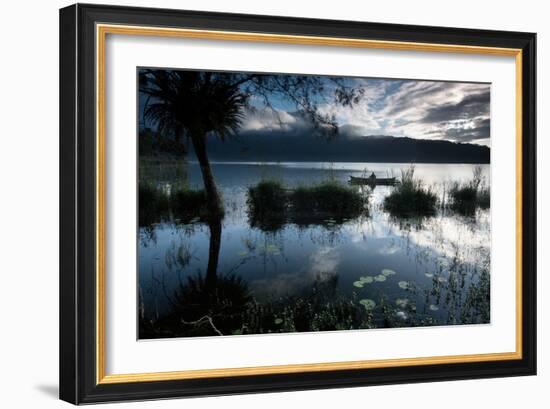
453 111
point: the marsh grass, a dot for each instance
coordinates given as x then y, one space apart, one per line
156 170
230 309
158 205
271 204
328 197
410 197
484 198
465 198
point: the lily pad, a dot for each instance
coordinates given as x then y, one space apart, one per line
388 272
434 307
442 279
358 284
403 284
402 302
380 278
278 321
243 253
401 315
367 303
429 275
366 279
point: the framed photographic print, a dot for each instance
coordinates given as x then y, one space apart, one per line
257 203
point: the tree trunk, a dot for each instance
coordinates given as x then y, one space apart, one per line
213 253
214 207
214 204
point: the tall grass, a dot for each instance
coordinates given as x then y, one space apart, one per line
267 198
466 197
329 196
157 205
410 197
267 203
271 204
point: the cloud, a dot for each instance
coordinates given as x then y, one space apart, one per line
458 112
271 119
470 107
479 132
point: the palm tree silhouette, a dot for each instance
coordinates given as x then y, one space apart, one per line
199 104
194 104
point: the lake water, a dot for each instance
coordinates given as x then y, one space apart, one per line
423 271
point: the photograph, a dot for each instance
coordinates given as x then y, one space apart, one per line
276 203
254 201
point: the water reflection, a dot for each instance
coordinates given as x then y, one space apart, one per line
238 276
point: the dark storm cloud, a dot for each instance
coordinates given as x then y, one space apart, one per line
420 109
469 108
438 110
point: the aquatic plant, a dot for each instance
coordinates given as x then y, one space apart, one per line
410 197
477 304
484 198
151 204
271 204
330 197
201 309
402 302
367 303
267 197
157 205
229 308
465 198
403 285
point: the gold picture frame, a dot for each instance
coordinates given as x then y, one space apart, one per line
105 21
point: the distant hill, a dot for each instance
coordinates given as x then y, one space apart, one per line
285 147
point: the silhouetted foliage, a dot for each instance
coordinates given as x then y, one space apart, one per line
156 144
198 104
466 198
271 204
183 205
410 198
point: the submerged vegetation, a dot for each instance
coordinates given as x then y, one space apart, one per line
410 197
456 294
230 309
270 203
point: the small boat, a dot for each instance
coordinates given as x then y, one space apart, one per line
372 180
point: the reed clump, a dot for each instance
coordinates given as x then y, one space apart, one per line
410 197
157 204
465 198
271 204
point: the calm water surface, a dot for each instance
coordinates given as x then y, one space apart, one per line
437 260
